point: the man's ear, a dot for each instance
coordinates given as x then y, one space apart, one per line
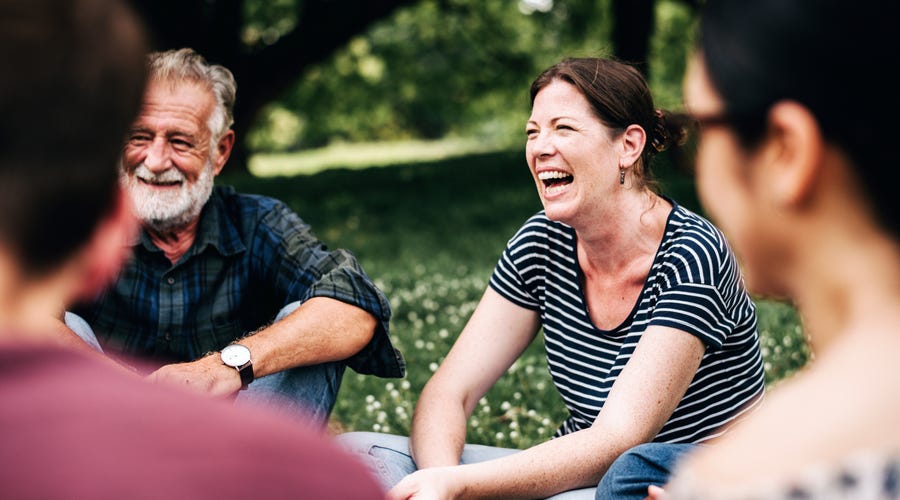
108 248
223 150
795 152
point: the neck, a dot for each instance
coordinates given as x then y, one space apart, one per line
174 242
852 284
632 232
28 306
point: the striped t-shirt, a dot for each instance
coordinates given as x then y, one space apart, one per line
694 285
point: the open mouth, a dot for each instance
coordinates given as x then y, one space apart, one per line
555 180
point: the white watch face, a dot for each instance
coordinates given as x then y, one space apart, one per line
236 355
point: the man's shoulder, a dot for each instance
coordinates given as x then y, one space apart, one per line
250 210
233 198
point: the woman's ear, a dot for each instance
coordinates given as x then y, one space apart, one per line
794 153
633 140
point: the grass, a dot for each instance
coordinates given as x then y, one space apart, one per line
429 233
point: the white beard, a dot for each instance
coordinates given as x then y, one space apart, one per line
169 210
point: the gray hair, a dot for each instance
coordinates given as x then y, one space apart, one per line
187 65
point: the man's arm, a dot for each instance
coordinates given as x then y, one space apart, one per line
320 330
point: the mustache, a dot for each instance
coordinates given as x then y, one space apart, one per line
169 176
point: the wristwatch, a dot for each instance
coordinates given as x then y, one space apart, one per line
237 356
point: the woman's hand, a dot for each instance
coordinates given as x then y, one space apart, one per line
435 483
655 493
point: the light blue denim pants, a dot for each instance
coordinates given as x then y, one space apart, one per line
629 475
387 456
307 392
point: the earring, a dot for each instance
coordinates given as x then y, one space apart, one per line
622 175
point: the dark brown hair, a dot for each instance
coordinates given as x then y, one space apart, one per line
619 97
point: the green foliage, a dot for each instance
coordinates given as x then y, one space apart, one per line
785 346
429 235
452 68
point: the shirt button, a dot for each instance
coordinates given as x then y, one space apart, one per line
170 280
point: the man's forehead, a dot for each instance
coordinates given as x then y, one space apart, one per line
176 100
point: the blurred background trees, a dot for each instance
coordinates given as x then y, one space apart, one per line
313 72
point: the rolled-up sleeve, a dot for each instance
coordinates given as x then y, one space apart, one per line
306 268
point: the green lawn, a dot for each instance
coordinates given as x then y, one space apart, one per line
429 234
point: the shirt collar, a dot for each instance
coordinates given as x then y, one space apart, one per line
216 229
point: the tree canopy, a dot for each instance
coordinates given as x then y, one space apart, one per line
314 71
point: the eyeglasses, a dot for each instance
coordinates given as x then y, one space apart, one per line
703 121
683 159
749 126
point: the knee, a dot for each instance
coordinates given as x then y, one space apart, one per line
633 471
81 328
360 442
289 308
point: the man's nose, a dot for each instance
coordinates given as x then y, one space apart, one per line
158 157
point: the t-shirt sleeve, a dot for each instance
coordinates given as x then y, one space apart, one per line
516 273
702 289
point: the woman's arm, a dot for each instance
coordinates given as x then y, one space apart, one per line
494 337
640 402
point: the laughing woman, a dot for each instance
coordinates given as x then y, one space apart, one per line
650 335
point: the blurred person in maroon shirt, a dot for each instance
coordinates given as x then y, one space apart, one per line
73 425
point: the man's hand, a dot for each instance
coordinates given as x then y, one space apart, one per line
207 375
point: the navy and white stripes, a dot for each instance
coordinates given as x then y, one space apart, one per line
694 285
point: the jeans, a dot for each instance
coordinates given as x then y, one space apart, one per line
306 392
629 475
387 456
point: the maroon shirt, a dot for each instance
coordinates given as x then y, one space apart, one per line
72 427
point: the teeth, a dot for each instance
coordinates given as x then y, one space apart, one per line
551 190
552 174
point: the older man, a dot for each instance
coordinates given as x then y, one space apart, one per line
228 291
72 426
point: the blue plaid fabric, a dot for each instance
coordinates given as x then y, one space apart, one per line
253 255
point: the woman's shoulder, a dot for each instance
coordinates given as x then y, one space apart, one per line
691 235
